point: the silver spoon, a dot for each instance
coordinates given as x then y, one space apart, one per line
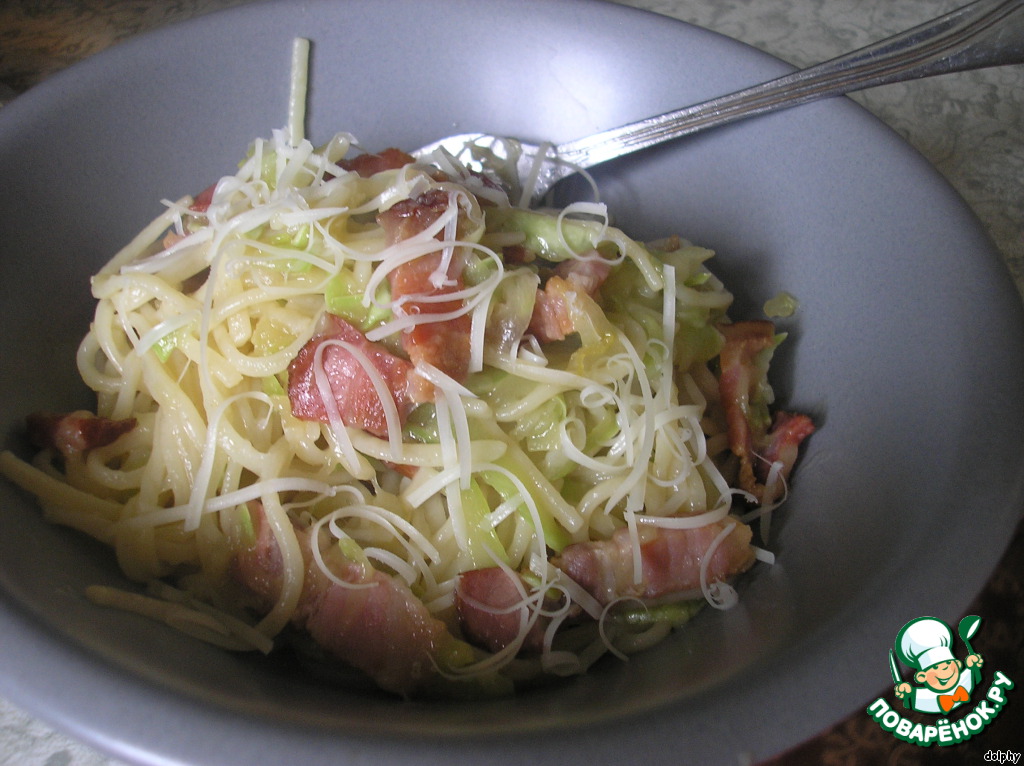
985 33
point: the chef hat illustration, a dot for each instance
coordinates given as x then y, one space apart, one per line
924 642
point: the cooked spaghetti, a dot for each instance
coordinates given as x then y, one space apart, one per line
459 443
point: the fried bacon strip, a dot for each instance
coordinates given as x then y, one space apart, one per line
419 287
358 401
755 443
366 165
671 561
378 626
552 316
74 432
489 604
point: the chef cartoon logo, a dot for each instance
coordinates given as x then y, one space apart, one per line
941 681
944 686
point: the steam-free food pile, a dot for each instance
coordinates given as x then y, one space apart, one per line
456 444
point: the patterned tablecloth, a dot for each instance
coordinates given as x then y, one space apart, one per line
969 125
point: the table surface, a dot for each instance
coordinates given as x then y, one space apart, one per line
970 126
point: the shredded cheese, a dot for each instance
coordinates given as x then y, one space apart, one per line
543 446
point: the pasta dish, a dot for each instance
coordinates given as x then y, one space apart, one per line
362 400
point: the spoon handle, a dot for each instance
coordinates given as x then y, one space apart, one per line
982 34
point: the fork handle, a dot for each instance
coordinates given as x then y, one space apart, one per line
985 33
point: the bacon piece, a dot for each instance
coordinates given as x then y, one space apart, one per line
408 217
381 628
366 165
738 381
419 287
202 201
358 401
171 238
490 609
259 568
444 344
782 442
552 315
737 384
586 274
670 561
552 318
75 432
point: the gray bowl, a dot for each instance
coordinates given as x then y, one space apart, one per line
907 349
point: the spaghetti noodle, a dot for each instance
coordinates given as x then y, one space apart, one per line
368 375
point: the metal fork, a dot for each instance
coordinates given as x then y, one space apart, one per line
985 33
